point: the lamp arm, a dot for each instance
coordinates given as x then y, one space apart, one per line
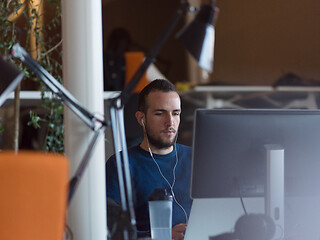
151 55
75 180
97 125
89 119
126 227
127 221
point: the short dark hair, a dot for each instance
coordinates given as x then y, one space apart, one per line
156 85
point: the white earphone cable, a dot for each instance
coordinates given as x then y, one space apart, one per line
174 178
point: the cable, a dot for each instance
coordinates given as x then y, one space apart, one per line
241 197
243 206
281 237
174 178
68 234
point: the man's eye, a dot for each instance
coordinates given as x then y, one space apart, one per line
176 113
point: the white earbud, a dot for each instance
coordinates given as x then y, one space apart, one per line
142 123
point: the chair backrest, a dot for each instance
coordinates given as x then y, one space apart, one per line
133 62
33 195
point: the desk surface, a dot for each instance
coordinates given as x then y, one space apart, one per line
240 96
31 98
213 89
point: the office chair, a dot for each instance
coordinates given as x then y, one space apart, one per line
133 61
33 195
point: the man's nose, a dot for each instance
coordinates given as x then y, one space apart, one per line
169 120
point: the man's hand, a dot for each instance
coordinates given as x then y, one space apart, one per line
178 231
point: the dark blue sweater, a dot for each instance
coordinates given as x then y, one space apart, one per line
146 178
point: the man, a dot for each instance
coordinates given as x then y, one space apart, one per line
157 162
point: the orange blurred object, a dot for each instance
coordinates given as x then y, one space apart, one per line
33 197
133 62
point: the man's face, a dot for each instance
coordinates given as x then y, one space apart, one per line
162 118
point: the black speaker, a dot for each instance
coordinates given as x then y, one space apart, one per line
254 227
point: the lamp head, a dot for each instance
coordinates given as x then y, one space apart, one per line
198 37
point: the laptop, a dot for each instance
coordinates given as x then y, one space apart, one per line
210 217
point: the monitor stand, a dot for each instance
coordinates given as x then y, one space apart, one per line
275 187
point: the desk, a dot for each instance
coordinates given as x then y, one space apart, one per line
253 97
33 98
218 96
239 97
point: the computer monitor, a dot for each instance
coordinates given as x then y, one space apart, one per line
229 161
229 155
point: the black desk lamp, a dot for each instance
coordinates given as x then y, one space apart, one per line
198 38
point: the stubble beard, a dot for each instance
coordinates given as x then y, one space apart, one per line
160 143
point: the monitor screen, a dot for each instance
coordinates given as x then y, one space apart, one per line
229 155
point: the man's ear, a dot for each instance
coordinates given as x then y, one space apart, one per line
140 117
